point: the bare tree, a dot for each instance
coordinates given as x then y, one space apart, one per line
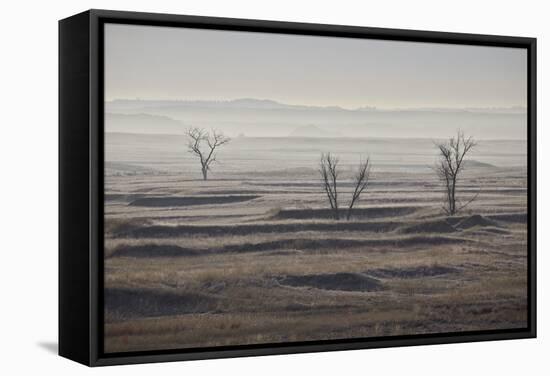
361 180
328 168
449 167
203 144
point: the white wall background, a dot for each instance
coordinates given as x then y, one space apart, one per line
28 186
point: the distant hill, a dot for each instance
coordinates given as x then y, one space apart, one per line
312 131
142 123
268 118
119 105
130 105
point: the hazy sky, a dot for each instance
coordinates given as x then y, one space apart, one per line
149 62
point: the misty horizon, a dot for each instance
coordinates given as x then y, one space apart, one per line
343 138
279 85
365 107
253 117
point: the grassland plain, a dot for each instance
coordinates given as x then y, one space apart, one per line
252 255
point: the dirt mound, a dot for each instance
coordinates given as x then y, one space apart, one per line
339 243
284 245
190 200
495 230
412 272
159 231
476 220
120 197
136 302
336 281
510 217
376 212
153 250
119 225
441 226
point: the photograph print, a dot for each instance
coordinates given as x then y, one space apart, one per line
264 188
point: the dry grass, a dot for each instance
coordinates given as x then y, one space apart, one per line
235 257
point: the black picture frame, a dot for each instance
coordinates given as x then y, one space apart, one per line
81 185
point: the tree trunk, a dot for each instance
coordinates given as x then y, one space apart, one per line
204 174
354 198
336 212
453 197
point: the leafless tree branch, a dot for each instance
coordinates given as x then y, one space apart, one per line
449 167
328 169
361 180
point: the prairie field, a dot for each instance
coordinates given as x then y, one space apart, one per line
253 255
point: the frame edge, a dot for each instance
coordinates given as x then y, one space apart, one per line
94 358
74 274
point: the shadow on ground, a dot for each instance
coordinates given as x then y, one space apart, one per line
50 347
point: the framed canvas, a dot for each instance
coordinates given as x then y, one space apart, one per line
234 187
